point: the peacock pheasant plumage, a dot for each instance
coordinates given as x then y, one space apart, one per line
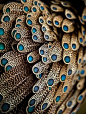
42 50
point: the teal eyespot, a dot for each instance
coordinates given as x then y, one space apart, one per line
18 25
21 47
15 46
34 30
8 10
4 61
24 0
2 46
35 2
26 8
6 19
14 32
46 36
60 112
1 31
69 72
18 36
44 59
30 109
58 98
29 22
8 68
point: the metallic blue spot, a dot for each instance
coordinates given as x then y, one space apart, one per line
50 82
67 59
35 2
79 78
6 19
40 75
54 8
84 17
69 72
8 10
79 60
58 98
66 46
14 32
81 97
8 67
5 107
69 103
42 8
65 88
36 88
29 22
36 70
30 58
81 40
44 106
74 46
49 22
44 29
44 59
34 30
30 109
54 57
34 9
32 102
26 8
4 61
41 20
35 37
21 47
46 36
63 77
15 46
1 31
65 28
18 25
83 32
82 72
68 15
2 46
60 112
18 20
41 52
56 22
18 36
